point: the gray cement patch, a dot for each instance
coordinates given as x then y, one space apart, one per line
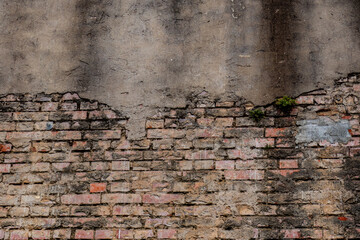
323 128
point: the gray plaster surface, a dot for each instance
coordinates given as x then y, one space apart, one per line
141 55
321 129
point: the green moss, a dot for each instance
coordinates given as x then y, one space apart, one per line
256 114
285 103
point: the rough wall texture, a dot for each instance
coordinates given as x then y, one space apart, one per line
205 171
138 55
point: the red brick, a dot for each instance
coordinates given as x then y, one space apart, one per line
40 234
97 187
5 168
278 132
19 234
224 164
244 175
291 233
288 164
81 199
284 173
5 147
121 198
84 234
163 198
104 234
166 233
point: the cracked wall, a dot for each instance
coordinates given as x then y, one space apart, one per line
68 169
141 55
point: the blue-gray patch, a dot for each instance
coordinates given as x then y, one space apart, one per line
323 128
49 125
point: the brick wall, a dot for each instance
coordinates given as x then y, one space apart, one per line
208 171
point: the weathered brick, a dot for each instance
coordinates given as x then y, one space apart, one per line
104 234
120 187
68 106
41 234
80 199
278 132
244 174
121 198
7 126
204 164
228 164
104 114
288 164
84 234
202 154
154 124
244 153
224 122
5 168
125 234
120 165
104 134
39 211
165 133
166 233
305 100
19 234
163 198
244 132
143 234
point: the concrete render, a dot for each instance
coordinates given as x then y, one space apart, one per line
142 55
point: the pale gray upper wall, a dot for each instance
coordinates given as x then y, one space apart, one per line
137 55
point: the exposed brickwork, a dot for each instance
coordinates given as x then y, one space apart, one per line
208 171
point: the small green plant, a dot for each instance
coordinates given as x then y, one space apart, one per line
285 103
256 114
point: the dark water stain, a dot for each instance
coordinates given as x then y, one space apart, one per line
180 21
238 45
350 176
280 35
92 16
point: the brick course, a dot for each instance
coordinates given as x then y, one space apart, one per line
208 171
